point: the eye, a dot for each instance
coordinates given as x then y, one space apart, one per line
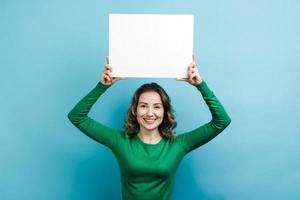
157 107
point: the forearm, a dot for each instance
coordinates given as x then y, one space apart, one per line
220 118
82 108
95 130
203 134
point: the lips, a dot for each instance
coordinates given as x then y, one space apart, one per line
149 121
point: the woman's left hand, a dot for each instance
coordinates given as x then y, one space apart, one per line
193 76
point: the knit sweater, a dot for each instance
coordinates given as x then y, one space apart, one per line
148 170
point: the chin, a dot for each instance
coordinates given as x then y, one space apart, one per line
150 127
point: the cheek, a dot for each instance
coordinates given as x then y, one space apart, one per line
160 113
138 116
140 112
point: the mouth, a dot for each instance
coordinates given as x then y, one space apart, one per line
149 121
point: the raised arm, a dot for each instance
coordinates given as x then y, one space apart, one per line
203 134
220 119
79 114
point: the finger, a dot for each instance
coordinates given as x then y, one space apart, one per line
191 69
197 78
108 67
191 73
119 78
191 76
181 79
194 60
104 79
191 79
108 73
115 79
107 78
107 60
192 65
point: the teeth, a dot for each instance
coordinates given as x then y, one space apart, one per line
149 120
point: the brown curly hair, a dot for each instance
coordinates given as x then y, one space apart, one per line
166 128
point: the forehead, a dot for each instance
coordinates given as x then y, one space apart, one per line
150 97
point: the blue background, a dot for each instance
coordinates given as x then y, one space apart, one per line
52 53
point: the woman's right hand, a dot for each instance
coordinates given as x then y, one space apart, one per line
106 75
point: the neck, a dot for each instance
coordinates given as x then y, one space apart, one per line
149 137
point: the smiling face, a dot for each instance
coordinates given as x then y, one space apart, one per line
150 111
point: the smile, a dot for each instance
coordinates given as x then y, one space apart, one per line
149 121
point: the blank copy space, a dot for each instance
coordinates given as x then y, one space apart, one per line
150 45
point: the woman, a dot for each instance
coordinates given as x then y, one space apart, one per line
148 152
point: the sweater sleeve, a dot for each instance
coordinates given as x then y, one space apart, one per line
95 130
203 134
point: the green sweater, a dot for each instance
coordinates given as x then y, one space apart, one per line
148 170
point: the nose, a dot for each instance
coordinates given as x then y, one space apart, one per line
149 112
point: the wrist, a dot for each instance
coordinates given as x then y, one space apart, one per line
102 85
198 82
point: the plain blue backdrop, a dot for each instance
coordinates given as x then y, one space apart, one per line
52 53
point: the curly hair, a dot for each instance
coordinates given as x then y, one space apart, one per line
166 128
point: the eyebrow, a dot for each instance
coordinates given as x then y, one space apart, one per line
141 102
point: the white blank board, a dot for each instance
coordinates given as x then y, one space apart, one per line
150 45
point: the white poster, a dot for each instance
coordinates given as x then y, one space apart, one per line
150 45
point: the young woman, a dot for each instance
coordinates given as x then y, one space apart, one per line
147 150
